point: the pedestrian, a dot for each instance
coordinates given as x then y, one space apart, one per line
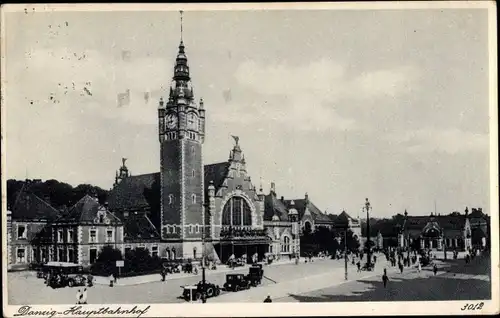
268 299
84 297
374 259
419 267
78 297
385 279
435 269
111 280
359 266
401 267
163 275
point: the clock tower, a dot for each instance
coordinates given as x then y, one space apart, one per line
182 133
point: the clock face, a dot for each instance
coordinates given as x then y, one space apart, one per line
171 121
192 121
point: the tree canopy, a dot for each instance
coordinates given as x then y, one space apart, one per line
59 194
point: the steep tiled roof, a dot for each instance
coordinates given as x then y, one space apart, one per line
28 206
85 210
301 204
272 206
139 227
342 219
136 192
215 172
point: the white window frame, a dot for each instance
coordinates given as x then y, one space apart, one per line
108 239
24 259
67 254
197 228
25 234
170 198
191 228
154 249
71 234
60 236
96 236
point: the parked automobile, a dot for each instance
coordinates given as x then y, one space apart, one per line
236 282
255 274
62 274
194 292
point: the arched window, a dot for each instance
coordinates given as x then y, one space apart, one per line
285 246
173 253
194 252
170 199
236 212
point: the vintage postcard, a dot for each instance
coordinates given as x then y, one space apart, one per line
198 159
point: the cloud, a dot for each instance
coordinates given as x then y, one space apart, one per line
451 141
304 96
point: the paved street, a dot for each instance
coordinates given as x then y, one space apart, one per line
24 287
320 281
454 281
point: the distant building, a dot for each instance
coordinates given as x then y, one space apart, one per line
452 232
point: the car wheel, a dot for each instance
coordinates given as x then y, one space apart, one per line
71 283
236 288
217 292
197 296
210 292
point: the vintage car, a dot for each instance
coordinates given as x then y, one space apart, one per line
236 282
255 274
194 292
62 274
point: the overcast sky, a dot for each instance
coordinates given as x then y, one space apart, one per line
389 105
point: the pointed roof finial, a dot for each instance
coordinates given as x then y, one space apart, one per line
181 12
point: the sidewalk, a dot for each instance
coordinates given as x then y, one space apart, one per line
144 279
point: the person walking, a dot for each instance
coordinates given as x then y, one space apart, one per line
435 269
84 297
358 264
401 267
385 279
419 268
268 299
111 280
163 274
78 297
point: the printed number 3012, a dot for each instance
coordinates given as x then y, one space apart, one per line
473 306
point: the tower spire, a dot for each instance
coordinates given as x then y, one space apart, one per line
181 12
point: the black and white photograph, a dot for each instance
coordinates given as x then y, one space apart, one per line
170 160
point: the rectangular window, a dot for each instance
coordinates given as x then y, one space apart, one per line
60 238
191 229
93 236
197 228
70 235
93 255
21 255
71 255
21 232
154 251
60 255
109 236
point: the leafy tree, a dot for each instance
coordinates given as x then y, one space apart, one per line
106 261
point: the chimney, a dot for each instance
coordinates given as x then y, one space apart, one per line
306 197
273 188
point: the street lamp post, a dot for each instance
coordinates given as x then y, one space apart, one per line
407 238
345 253
368 252
203 280
294 219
